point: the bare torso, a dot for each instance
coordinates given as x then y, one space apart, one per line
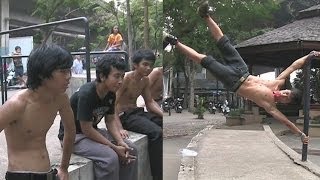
131 89
156 83
26 136
259 91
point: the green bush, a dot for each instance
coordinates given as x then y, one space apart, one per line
236 112
200 108
316 120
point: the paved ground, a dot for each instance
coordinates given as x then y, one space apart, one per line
178 131
225 154
179 128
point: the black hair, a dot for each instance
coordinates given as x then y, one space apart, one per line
143 54
17 47
118 29
107 62
43 61
296 96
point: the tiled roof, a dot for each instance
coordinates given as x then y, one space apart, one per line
307 28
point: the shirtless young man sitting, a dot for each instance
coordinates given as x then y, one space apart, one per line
28 115
136 83
233 73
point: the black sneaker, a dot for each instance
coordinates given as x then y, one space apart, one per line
204 9
168 38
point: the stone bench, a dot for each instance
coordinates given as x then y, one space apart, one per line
82 169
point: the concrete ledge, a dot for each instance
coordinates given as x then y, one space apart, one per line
293 155
187 166
82 169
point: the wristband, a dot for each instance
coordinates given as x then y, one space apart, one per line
302 136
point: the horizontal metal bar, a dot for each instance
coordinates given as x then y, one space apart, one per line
45 25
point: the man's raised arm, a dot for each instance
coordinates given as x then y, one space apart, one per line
297 65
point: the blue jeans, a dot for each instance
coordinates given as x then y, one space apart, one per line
231 70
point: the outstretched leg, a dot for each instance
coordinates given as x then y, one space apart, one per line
229 53
214 28
203 11
186 50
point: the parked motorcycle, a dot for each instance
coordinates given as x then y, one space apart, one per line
167 104
178 105
11 78
212 108
225 109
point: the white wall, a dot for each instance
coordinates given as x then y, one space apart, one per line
26 44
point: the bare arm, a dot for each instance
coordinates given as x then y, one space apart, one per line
297 65
69 132
151 105
275 113
107 46
10 111
294 66
113 124
119 94
153 76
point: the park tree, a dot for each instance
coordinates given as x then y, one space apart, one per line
146 24
314 83
102 16
53 10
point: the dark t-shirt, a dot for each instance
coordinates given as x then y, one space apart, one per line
87 106
17 61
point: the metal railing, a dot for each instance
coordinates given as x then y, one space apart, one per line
86 45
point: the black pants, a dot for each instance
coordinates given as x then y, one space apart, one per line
231 70
51 175
137 120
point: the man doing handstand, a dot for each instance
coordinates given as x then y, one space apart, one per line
233 73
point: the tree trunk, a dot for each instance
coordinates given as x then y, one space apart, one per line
130 32
192 85
146 25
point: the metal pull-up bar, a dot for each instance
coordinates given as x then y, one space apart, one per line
306 104
86 44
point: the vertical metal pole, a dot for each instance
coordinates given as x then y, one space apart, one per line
87 45
5 79
306 105
1 79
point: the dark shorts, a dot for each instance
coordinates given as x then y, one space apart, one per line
51 175
18 71
232 71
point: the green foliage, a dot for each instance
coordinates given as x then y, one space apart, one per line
103 16
236 112
314 82
239 20
200 109
316 120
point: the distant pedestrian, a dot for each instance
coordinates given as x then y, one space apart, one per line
18 66
77 66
